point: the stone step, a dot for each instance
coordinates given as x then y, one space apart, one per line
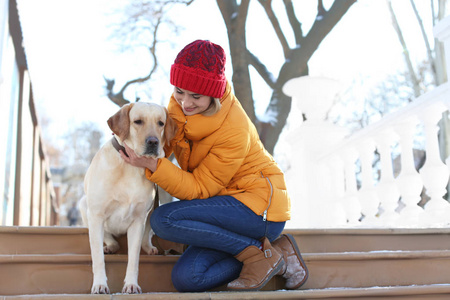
71 274
378 268
371 239
74 240
425 292
44 240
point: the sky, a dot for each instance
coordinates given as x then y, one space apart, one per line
69 52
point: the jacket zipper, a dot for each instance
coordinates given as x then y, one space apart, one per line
270 198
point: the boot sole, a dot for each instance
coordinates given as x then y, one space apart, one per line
297 252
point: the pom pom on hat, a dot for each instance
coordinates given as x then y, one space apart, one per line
200 68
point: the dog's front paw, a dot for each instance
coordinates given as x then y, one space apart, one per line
111 249
150 249
100 289
131 289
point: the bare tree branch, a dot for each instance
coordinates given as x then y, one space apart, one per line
235 17
227 8
267 4
322 26
119 98
293 20
409 64
427 44
262 70
116 98
243 12
155 60
140 17
320 9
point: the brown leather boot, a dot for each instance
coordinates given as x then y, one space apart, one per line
259 267
294 271
167 247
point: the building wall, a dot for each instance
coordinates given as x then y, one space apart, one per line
26 191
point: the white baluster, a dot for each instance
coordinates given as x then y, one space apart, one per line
335 191
350 201
367 195
447 160
387 189
314 97
409 182
434 173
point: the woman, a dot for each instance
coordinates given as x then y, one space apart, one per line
238 203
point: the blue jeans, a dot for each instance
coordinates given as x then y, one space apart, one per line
216 229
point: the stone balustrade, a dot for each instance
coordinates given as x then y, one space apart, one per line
334 181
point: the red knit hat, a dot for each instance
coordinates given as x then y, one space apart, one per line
200 68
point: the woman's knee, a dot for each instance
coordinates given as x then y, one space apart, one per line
185 274
183 279
200 269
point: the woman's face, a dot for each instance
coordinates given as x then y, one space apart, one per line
190 102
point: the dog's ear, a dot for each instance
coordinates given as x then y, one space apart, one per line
119 123
170 128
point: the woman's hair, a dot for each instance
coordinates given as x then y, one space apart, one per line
213 108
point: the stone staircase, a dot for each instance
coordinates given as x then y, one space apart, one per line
54 263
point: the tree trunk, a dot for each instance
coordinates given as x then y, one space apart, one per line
235 17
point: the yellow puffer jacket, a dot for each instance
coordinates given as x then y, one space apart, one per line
223 155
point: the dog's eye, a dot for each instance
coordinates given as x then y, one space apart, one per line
138 122
161 123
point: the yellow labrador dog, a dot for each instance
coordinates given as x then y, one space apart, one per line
118 196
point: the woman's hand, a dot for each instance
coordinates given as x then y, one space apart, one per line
138 161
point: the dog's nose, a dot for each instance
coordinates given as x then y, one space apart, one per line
152 141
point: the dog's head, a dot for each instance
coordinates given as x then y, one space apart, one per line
145 127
